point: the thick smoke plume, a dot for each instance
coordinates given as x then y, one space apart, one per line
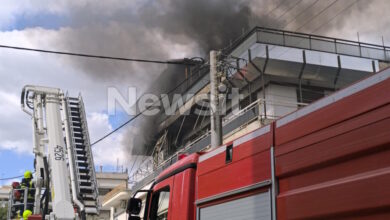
167 29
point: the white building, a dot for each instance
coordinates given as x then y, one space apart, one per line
109 184
4 194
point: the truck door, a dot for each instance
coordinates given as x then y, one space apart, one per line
160 208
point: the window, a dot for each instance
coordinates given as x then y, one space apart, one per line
160 205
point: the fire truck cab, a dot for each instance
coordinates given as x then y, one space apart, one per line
216 185
328 160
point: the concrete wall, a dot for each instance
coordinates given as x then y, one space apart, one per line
279 100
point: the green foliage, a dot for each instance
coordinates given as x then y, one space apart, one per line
3 213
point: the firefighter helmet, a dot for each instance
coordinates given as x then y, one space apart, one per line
28 174
26 214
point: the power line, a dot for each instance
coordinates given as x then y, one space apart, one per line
326 8
135 161
338 14
10 178
140 113
137 115
318 14
289 9
152 149
301 13
272 10
184 62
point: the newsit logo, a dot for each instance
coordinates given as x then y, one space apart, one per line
149 104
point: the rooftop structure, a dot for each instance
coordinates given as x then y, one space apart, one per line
276 72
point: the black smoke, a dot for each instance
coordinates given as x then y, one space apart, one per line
163 30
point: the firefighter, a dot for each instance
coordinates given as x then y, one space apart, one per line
17 203
26 214
28 183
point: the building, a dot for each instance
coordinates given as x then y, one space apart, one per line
4 195
276 72
109 183
116 201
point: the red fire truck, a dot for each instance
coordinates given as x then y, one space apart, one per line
328 160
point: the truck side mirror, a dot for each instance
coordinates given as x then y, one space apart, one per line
134 206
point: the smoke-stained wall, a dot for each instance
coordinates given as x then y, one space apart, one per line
168 29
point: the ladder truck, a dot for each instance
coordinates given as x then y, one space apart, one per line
327 160
65 180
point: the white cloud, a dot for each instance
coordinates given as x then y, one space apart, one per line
19 68
12 136
109 150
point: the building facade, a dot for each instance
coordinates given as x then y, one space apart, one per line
274 73
108 184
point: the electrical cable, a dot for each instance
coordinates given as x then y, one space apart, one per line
288 10
338 14
140 113
175 62
272 10
136 158
318 14
300 13
321 25
135 161
10 178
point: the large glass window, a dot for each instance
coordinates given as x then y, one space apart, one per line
160 205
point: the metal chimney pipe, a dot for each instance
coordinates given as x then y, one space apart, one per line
216 120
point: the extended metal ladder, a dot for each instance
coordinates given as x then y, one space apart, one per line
82 159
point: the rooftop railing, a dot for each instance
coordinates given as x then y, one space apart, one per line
309 42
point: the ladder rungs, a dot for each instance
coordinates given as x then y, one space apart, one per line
91 210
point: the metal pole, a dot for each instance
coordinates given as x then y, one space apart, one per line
25 195
38 135
384 48
216 122
181 126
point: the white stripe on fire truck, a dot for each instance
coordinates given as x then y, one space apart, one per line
212 153
251 135
355 88
237 142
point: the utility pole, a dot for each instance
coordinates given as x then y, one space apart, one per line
216 120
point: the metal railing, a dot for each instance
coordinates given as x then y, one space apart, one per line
19 204
151 174
309 42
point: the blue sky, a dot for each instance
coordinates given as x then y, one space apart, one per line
14 164
44 23
15 158
44 20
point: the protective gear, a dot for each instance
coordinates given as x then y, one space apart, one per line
28 183
15 185
27 213
28 174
